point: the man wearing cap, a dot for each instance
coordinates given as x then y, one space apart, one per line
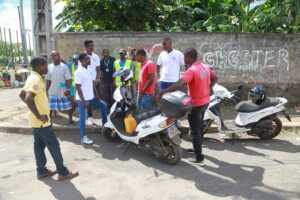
121 63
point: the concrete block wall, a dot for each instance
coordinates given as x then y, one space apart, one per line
270 59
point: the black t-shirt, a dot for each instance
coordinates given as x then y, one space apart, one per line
107 69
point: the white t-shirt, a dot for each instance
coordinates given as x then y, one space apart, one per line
85 79
95 62
170 65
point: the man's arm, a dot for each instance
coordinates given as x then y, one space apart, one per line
79 90
68 86
22 95
68 78
95 90
177 86
149 82
48 84
158 70
98 73
28 99
98 69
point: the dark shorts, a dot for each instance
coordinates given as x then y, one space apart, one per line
164 85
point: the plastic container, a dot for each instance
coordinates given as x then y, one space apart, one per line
130 124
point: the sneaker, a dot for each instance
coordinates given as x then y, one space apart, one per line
68 177
47 174
89 121
86 140
198 161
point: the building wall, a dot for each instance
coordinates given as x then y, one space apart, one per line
271 59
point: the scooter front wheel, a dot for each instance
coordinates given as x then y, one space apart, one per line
109 134
272 131
172 156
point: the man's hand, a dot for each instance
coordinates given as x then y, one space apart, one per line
159 95
85 104
43 118
67 93
141 93
98 97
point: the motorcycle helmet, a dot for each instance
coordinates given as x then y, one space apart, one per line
257 94
126 75
75 59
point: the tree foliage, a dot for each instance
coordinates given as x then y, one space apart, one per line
180 15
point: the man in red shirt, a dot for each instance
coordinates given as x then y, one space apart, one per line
147 81
198 78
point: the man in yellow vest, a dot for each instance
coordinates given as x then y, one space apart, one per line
121 63
136 68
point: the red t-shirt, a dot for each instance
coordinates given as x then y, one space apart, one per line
148 68
198 77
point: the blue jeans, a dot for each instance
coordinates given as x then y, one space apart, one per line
45 137
164 85
146 102
98 104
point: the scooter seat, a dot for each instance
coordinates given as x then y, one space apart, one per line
248 106
146 114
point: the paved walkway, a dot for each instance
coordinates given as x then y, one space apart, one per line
245 170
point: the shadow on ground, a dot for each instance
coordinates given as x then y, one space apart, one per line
65 190
225 180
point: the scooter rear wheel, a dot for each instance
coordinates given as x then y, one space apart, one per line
173 155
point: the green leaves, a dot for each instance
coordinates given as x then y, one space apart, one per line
180 15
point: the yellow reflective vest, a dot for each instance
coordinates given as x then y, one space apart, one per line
136 68
117 67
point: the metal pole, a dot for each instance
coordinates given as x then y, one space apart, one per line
5 45
18 46
48 23
29 44
1 42
35 25
11 47
22 29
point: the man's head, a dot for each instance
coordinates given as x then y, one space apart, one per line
133 54
84 60
122 54
167 44
89 46
105 53
55 57
141 55
39 65
190 56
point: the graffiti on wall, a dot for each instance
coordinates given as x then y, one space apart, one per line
231 56
247 60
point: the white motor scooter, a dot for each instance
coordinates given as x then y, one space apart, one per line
150 131
254 119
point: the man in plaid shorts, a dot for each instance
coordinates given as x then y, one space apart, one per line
58 86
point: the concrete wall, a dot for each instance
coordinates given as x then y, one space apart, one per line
271 59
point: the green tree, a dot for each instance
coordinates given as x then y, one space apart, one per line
113 15
180 15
